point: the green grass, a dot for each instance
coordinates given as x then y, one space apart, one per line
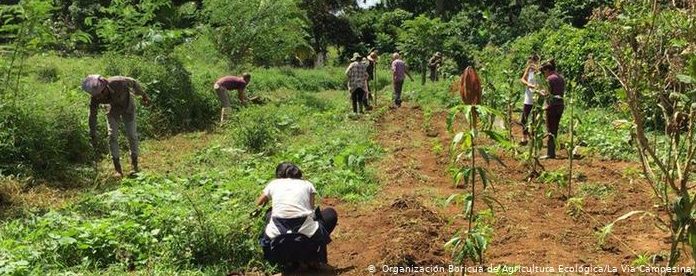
597 190
190 214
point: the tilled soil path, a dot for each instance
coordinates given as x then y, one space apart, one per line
408 222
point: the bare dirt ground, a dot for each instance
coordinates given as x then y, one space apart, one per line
409 222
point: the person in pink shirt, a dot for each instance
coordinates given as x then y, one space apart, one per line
399 73
224 85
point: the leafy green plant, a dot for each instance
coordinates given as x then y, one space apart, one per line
47 74
258 137
574 206
471 243
535 125
639 33
559 178
598 190
176 106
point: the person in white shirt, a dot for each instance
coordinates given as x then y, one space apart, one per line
529 80
293 212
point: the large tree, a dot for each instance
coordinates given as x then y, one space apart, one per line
328 25
259 31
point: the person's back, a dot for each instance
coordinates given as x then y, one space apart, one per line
399 70
357 75
295 231
231 82
556 84
290 199
118 99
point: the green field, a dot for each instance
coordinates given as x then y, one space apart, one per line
419 185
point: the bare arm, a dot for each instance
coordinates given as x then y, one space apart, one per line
524 79
262 200
138 91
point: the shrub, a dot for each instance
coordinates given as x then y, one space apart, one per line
256 131
38 142
578 54
176 106
47 73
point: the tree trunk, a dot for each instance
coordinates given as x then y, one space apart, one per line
320 59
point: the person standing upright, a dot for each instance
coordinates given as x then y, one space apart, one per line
372 59
529 81
357 82
554 105
399 73
115 93
434 65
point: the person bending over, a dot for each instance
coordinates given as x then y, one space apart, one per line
222 87
117 94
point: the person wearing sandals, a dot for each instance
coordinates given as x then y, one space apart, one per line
530 83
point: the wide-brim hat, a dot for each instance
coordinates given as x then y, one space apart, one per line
93 84
356 57
438 54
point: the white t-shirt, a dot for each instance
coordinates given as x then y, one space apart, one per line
290 198
528 94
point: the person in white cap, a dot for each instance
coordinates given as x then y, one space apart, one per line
117 94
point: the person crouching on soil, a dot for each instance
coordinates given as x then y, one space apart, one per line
115 93
554 105
530 83
296 234
222 87
357 83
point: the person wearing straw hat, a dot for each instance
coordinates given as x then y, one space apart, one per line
434 65
117 94
222 87
357 82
